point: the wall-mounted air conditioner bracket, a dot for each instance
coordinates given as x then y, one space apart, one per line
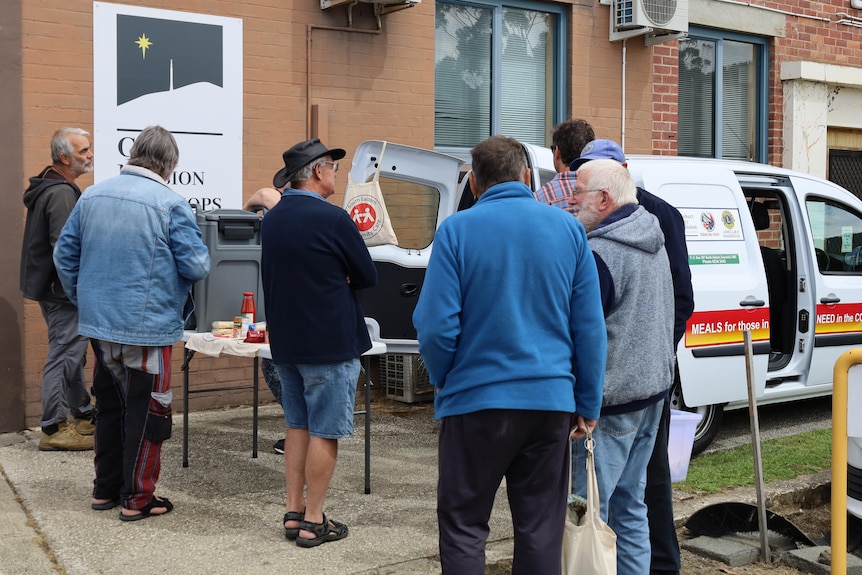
662 36
616 36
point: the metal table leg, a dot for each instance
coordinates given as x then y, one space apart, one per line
367 361
254 409
187 357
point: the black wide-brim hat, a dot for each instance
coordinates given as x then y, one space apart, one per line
300 156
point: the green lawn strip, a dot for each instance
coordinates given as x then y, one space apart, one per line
783 458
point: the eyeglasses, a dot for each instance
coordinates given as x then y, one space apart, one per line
333 164
576 191
553 148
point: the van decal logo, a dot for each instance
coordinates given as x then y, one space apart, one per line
701 224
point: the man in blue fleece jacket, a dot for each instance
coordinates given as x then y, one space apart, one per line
514 341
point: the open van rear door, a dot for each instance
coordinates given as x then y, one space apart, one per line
420 190
728 278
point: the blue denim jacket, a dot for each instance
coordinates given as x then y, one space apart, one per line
128 256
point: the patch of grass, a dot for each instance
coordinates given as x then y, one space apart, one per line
783 458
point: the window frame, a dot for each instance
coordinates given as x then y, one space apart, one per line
761 103
559 105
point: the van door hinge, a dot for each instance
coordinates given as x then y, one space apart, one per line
801 346
801 285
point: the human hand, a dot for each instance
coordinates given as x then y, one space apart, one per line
580 426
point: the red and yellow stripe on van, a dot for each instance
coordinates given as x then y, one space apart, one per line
838 318
721 327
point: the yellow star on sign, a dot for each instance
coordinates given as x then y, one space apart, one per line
144 43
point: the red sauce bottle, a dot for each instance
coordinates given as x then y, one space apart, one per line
248 308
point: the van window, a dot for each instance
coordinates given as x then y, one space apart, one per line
837 233
412 209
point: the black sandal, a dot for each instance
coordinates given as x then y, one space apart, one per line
327 530
291 533
105 505
147 510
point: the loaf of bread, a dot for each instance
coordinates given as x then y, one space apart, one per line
222 325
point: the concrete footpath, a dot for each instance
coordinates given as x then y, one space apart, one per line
229 506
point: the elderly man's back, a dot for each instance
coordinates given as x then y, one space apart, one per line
638 301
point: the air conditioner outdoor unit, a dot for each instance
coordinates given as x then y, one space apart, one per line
660 14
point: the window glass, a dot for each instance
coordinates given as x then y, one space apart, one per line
722 104
837 233
496 72
462 75
696 89
412 209
527 66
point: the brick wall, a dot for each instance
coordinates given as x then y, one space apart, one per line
804 39
366 86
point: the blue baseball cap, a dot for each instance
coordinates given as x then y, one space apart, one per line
599 150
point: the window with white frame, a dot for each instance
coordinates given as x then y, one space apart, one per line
498 69
722 95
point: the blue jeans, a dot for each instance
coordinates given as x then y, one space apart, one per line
624 444
319 397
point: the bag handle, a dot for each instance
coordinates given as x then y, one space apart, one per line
592 514
376 177
379 162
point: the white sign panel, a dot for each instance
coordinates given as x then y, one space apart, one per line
711 224
183 72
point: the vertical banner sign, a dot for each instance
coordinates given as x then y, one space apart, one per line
183 72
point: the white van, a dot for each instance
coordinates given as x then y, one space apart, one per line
772 251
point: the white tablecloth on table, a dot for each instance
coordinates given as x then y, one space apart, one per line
211 345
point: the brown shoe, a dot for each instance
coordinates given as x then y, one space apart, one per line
65 439
84 426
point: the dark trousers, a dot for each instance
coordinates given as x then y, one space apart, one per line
659 500
132 389
476 451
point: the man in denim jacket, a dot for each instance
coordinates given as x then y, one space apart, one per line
128 257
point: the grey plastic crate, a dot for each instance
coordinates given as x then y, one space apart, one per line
233 239
405 378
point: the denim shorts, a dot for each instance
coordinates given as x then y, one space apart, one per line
320 397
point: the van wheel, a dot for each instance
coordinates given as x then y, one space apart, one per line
710 418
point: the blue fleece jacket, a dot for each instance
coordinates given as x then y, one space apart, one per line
510 309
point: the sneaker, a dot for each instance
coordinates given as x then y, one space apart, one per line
65 439
84 425
278 446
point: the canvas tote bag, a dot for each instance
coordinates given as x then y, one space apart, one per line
589 548
364 202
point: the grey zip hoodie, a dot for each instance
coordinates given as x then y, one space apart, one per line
640 314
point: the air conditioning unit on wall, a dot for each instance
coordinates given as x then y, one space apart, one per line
669 15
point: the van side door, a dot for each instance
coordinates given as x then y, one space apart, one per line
730 290
834 220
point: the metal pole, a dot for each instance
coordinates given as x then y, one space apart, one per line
839 457
755 447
